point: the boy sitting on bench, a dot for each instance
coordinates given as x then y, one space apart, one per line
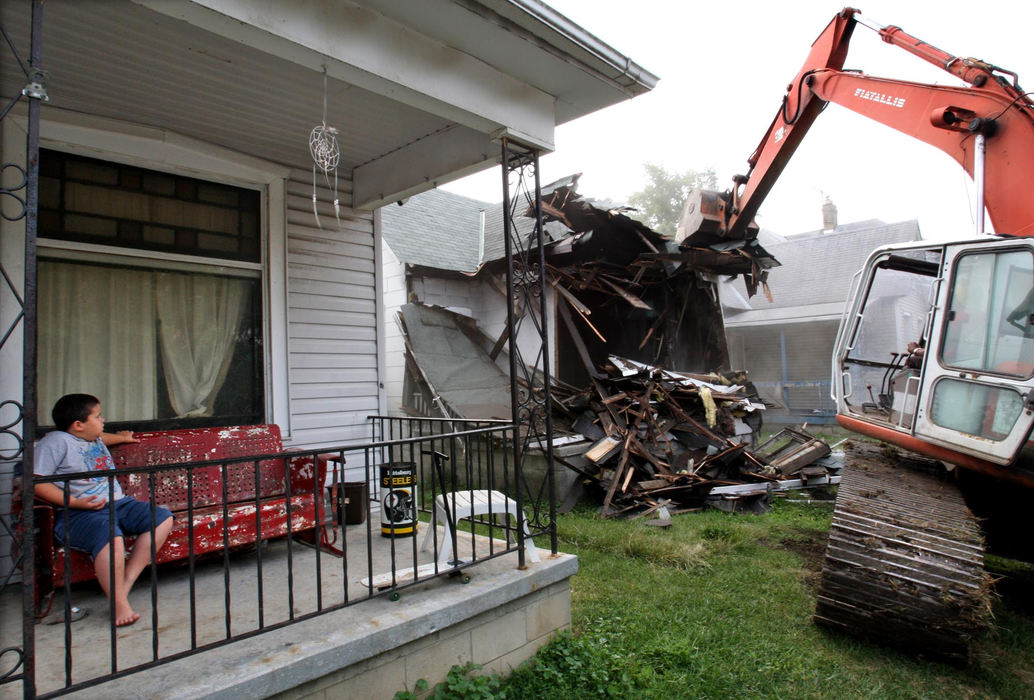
80 444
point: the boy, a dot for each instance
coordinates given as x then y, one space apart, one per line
80 444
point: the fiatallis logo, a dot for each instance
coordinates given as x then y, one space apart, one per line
874 96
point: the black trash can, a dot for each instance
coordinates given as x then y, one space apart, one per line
355 502
349 501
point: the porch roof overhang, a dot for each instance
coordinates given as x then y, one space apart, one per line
420 93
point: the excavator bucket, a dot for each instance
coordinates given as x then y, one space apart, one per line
704 219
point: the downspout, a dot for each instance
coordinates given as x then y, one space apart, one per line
785 369
481 241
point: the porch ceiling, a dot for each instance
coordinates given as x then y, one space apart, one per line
226 73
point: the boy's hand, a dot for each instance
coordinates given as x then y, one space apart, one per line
120 438
94 502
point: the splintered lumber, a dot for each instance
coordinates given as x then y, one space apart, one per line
651 441
626 295
628 478
614 482
603 449
579 344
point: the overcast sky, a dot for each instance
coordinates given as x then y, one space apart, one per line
723 69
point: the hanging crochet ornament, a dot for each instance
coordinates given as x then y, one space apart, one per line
326 154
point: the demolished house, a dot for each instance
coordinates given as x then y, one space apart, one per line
647 411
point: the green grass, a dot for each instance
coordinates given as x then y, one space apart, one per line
719 605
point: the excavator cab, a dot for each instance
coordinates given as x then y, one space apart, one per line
946 334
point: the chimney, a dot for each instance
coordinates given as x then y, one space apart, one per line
829 215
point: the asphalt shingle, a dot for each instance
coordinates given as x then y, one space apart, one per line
436 229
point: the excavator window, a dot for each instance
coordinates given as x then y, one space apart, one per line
895 313
988 327
987 331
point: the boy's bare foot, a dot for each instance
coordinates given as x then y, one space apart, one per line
124 616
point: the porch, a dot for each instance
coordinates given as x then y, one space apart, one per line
237 613
498 619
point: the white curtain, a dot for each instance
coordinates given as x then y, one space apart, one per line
96 336
199 316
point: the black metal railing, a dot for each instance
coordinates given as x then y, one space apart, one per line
473 468
264 541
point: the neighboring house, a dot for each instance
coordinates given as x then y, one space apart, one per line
182 274
787 345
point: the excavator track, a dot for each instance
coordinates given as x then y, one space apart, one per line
905 560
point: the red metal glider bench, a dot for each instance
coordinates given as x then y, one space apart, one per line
196 495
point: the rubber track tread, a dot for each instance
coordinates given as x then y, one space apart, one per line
905 560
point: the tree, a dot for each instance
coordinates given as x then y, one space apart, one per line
660 202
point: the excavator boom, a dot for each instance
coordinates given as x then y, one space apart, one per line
989 120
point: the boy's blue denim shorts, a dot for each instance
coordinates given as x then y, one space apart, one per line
88 529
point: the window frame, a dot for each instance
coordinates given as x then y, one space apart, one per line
953 283
160 150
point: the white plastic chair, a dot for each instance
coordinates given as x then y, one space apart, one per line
465 504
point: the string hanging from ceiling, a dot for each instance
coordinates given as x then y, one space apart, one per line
326 154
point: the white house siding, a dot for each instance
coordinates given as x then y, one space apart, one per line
394 282
332 318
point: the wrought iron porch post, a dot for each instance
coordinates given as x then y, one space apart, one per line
526 307
21 202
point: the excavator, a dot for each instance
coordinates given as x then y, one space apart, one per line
934 357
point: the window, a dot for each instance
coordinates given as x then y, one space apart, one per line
93 201
990 325
989 330
882 380
163 340
976 409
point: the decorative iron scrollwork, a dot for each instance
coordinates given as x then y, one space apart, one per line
6 429
19 659
18 202
9 191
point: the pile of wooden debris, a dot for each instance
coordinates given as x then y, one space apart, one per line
674 441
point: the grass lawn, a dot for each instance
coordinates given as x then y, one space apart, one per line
720 605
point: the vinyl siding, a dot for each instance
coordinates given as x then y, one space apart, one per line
394 343
332 317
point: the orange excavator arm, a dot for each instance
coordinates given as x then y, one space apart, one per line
991 111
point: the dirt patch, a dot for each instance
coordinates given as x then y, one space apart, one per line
811 548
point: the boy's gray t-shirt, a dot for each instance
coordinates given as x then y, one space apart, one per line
59 452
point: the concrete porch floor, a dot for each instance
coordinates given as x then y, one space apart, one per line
299 655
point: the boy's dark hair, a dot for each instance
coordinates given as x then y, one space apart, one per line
72 407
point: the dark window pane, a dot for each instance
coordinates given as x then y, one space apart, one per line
209 219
